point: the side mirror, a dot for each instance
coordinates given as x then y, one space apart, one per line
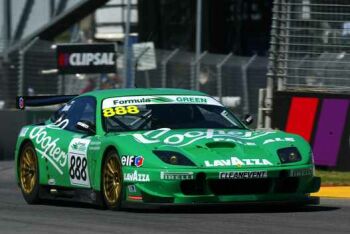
86 126
248 119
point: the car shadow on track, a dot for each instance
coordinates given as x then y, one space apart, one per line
208 209
70 204
240 209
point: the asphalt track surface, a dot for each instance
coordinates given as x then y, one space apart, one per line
331 216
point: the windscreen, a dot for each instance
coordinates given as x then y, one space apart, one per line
176 112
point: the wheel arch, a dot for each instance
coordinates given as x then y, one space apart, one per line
99 165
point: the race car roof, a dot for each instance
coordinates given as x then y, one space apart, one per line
102 94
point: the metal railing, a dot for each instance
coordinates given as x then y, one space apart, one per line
309 50
235 80
310 45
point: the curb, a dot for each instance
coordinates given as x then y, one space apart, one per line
334 192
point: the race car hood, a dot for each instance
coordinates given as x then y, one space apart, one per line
213 148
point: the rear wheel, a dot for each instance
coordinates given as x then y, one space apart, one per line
29 174
112 181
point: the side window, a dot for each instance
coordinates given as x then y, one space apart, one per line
83 108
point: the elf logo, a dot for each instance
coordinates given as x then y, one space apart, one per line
129 160
86 59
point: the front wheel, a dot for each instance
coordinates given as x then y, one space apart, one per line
29 174
112 181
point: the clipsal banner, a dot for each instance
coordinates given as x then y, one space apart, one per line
86 58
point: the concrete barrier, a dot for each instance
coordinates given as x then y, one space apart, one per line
11 122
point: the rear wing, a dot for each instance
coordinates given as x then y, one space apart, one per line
23 101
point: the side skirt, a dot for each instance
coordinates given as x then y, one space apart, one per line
71 194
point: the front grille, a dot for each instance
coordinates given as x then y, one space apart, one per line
240 187
286 185
194 187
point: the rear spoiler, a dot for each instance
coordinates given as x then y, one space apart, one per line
23 101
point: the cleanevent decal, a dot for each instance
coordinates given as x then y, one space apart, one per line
86 58
243 175
168 99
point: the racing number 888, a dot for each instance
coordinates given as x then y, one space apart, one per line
120 110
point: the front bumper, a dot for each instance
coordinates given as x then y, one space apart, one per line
203 186
307 200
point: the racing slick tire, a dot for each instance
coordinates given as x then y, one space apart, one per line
28 172
112 181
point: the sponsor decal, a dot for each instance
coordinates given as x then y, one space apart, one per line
47 147
95 148
176 175
162 136
86 59
132 188
301 172
243 175
272 140
96 145
137 177
51 181
79 145
143 100
234 161
59 124
78 163
129 160
189 99
23 132
67 107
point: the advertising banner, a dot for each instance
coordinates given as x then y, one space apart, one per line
86 58
323 120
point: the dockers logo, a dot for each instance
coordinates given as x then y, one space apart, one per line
86 59
47 147
163 135
234 161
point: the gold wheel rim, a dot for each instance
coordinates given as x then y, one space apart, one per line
28 170
112 180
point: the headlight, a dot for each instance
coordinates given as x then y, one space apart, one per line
289 155
173 158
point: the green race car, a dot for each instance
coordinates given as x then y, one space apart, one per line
133 147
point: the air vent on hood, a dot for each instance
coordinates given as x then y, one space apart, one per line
220 144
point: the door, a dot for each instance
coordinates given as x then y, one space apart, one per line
69 161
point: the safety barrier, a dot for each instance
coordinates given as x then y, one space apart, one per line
323 119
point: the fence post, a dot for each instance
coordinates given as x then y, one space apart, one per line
219 75
244 69
272 72
285 17
261 109
164 64
21 66
194 76
127 60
